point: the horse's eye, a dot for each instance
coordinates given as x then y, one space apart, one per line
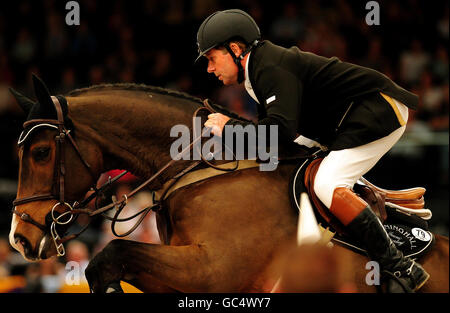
40 153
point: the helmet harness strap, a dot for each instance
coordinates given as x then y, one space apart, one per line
237 59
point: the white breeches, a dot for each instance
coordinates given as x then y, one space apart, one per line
344 167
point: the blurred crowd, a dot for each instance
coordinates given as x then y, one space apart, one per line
66 274
154 42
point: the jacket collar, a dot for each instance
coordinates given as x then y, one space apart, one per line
247 82
252 63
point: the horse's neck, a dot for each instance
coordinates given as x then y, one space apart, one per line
132 133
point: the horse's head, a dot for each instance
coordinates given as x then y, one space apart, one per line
54 171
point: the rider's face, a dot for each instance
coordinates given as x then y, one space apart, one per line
221 64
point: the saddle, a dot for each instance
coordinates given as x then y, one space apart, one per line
401 212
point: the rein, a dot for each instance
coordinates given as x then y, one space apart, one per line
79 208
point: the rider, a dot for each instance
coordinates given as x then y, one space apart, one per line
356 113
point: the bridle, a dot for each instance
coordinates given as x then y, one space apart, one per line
58 185
78 208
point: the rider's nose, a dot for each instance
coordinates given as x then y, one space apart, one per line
210 68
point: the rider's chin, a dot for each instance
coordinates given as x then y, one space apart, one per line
225 81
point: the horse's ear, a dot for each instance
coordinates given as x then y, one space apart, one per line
25 103
42 94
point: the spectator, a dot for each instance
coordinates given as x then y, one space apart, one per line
68 81
96 75
56 40
374 58
78 252
33 279
288 28
442 25
413 62
6 74
73 279
52 275
2 32
24 49
439 64
5 252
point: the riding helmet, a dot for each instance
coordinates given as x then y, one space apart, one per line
222 26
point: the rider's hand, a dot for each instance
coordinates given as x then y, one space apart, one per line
216 122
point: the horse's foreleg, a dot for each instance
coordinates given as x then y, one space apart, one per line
174 267
148 284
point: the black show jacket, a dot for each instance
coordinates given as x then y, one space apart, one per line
306 94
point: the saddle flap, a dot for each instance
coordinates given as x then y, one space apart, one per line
415 204
324 212
376 200
403 194
405 199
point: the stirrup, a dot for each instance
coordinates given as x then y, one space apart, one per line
396 276
407 274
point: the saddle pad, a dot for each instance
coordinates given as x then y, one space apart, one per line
414 242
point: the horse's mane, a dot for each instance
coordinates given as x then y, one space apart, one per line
134 87
146 88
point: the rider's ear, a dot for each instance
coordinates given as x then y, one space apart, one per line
235 48
42 94
25 103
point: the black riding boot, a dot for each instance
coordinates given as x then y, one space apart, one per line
401 273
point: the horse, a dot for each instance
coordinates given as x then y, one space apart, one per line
228 233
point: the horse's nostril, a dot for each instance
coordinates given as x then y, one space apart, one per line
19 239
